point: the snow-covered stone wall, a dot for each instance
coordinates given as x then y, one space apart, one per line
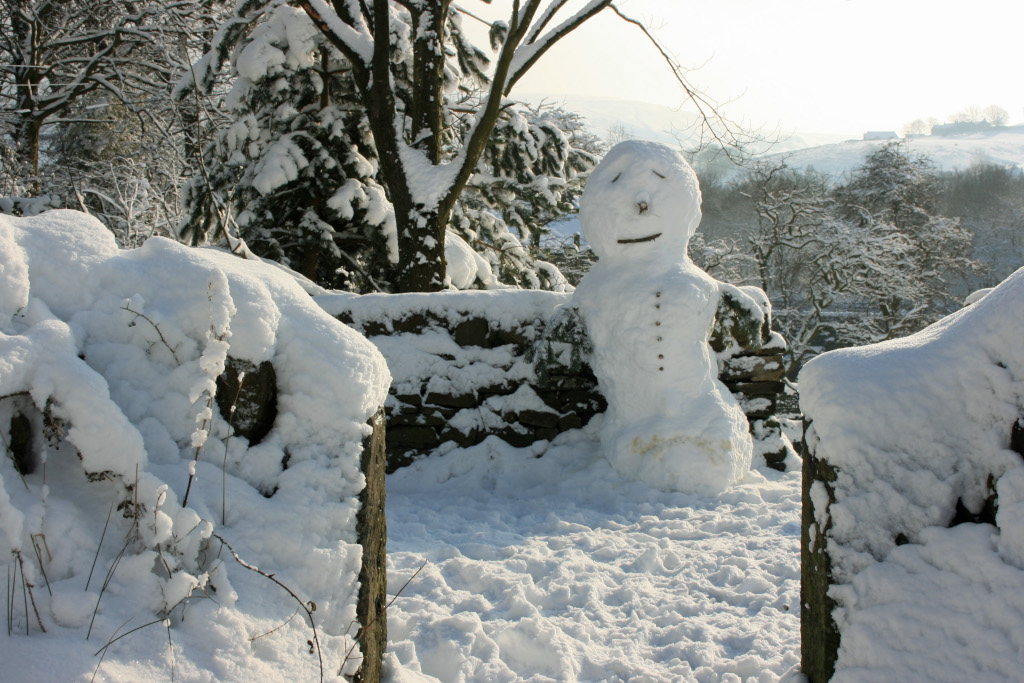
466 366
128 494
913 523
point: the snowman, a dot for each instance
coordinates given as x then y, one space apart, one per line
649 312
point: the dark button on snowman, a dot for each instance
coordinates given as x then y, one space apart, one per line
649 311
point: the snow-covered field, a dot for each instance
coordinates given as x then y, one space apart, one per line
557 569
1000 146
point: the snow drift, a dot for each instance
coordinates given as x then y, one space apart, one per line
111 358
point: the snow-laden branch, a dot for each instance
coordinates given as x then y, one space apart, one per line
545 18
534 48
206 69
354 39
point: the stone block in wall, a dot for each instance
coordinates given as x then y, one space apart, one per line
420 418
460 438
551 398
770 442
398 457
502 337
410 400
536 418
756 407
460 401
413 437
471 332
502 389
757 388
519 438
22 445
569 421
411 323
247 398
752 368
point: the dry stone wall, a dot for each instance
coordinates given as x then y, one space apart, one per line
465 367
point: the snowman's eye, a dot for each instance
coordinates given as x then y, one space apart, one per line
616 178
657 174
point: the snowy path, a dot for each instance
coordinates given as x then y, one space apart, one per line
555 569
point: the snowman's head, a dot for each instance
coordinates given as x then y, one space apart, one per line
642 201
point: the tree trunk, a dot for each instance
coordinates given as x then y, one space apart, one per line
27 145
310 261
421 246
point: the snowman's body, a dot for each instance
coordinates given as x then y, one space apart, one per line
649 312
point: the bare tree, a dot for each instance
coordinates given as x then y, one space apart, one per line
869 260
996 115
66 62
916 127
969 114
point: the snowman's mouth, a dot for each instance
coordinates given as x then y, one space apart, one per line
637 240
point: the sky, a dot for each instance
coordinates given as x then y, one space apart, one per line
812 66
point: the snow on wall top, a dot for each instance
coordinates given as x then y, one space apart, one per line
913 424
505 309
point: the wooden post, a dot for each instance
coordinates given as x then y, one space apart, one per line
371 528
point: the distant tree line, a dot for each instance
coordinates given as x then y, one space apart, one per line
969 118
881 253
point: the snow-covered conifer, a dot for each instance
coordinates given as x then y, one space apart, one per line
295 170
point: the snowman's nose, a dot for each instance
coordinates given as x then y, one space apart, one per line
642 205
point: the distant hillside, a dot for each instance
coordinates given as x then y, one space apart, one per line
610 118
1001 146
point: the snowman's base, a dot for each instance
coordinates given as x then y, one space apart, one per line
687 463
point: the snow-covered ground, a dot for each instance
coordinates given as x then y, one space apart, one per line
558 569
534 569
1000 146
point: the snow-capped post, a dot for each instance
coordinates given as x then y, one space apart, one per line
912 540
649 312
819 636
371 528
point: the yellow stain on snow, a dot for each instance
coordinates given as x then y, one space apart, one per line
657 445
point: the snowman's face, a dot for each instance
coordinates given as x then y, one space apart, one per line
642 201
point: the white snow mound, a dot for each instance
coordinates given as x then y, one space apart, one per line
113 355
912 426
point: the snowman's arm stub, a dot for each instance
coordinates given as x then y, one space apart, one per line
740 321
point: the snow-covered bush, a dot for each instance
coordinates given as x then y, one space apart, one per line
108 367
913 553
